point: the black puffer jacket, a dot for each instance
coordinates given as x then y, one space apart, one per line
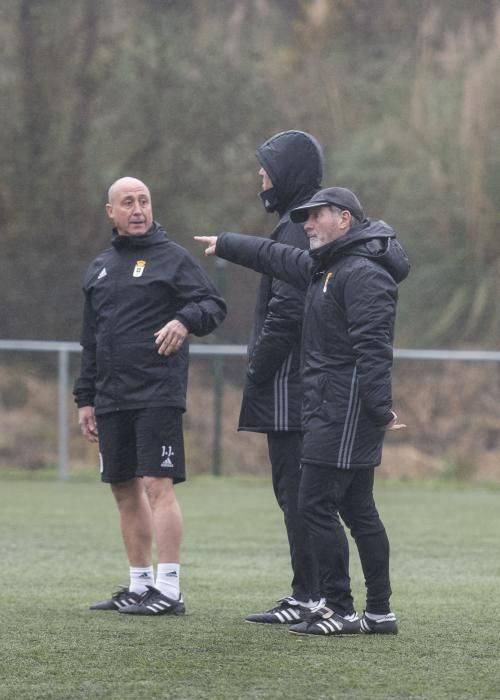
272 394
131 290
347 339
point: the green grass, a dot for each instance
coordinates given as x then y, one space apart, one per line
61 550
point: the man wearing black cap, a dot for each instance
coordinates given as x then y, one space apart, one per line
351 274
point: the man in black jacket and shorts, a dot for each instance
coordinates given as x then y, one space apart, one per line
143 296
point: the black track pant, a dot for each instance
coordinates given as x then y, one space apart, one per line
285 450
324 494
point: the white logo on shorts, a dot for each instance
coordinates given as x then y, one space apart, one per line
167 452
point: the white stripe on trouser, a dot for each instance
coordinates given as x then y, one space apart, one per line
281 395
350 425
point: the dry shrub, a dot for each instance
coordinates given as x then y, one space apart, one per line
241 452
28 415
451 410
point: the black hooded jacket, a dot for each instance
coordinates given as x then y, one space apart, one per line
132 290
272 394
347 337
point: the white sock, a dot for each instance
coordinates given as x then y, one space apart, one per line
353 617
378 617
314 603
140 578
167 580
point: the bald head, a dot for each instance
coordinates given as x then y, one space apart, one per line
129 206
125 183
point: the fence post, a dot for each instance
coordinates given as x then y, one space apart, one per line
62 402
218 381
218 401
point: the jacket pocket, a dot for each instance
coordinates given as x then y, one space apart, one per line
329 400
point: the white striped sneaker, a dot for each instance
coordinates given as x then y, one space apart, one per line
288 612
325 621
153 602
122 598
383 625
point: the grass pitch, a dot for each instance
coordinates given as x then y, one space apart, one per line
61 550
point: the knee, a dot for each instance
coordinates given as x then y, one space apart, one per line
281 499
361 518
287 500
286 490
308 508
159 491
365 527
127 493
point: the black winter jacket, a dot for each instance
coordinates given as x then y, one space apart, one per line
272 394
347 338
132 290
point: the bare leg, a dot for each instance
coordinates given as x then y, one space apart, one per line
167 518
136 521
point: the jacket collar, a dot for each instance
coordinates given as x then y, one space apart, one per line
357 235
155 235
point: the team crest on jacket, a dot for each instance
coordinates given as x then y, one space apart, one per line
329 275
139 268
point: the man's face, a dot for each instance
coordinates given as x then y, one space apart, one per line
266 180
326 224
130 208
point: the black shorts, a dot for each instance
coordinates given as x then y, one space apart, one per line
141 442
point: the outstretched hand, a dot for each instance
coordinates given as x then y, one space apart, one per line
394 424
211 242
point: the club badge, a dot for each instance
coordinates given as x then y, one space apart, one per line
139 268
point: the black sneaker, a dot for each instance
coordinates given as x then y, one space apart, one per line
288 612
122 598
385 625
155 603
324 621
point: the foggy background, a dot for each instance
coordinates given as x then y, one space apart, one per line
402 94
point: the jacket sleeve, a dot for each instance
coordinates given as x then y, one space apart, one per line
370 296
282 327
200 307
280 332
84 388
285 262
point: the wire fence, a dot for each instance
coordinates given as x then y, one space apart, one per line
216 354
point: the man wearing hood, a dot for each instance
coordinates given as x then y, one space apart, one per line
351 274
143 296
291 171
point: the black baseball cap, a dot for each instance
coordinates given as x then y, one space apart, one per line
331 196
